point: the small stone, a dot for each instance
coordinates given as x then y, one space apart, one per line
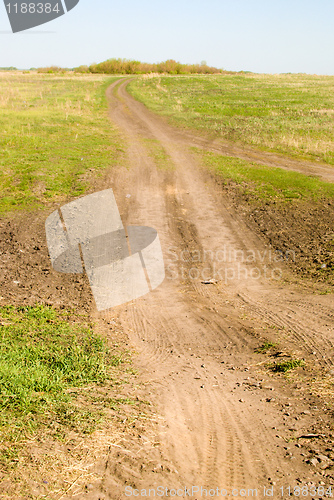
312 461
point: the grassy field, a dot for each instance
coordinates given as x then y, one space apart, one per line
289 114
55 133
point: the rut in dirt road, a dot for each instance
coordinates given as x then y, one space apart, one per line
196 335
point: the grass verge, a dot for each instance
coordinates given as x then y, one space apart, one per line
266 183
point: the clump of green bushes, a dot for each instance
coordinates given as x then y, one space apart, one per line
131 67
128 67
52 69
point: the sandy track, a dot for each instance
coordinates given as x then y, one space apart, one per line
223 420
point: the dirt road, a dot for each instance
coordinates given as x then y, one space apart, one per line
223 420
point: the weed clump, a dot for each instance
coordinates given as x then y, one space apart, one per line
286 366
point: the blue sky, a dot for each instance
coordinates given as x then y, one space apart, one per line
264 36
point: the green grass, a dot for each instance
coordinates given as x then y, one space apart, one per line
266 183
290 114
158 154
54 133
286 366
44 355
265 347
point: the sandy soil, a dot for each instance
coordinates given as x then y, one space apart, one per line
221 418
224 419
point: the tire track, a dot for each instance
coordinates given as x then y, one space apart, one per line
195 341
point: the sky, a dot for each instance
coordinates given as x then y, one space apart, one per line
263 36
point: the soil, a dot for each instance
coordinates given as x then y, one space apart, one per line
221 418
302 232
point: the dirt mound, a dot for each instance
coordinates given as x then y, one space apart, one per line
304 232
301 231
26 274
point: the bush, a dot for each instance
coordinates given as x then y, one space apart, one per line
81 69
132 67
51 69
124 66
